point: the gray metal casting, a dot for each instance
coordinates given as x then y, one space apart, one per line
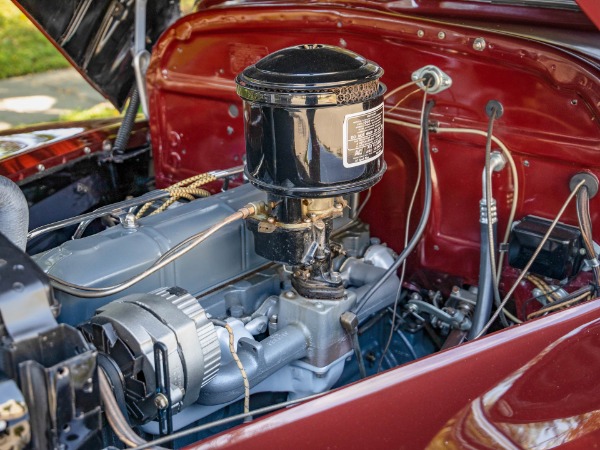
320 320
380 256
306 349
260 359
116 254
361 276
176 319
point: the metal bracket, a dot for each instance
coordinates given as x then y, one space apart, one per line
433 79
141 56
456 321
162 400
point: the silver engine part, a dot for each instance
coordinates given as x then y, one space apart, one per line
285 342
119 253
321 319
127 331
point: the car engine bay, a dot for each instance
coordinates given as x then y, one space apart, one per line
290 246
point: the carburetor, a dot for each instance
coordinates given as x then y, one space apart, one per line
313 118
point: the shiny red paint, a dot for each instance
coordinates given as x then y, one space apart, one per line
476 10
552 401
592 9
552 102
89 141
551 99
405 408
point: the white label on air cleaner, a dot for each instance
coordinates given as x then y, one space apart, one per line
363 136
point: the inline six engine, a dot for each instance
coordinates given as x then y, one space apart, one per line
267 307
197 309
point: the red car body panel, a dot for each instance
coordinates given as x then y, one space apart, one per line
551 125
545 404
406 407
551 97
592 10
87 140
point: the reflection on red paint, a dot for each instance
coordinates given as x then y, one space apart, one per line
549 402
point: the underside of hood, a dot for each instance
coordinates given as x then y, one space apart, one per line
98 36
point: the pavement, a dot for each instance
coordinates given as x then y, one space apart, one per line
44 97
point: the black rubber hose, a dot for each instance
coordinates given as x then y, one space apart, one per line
485 289
424 215
128 122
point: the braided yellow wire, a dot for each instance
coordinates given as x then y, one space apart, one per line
143 210
542 286
237 360
584 296
176 194
188 189
198 180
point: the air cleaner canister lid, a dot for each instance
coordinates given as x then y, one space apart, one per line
312 74
313 118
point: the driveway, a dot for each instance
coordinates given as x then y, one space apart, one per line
44 97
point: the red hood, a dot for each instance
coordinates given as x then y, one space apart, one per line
98 41
592 10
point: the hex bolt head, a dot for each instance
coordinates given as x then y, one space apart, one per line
130 221
479 44
161 402
335 277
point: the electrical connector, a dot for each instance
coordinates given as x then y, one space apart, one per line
433 79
